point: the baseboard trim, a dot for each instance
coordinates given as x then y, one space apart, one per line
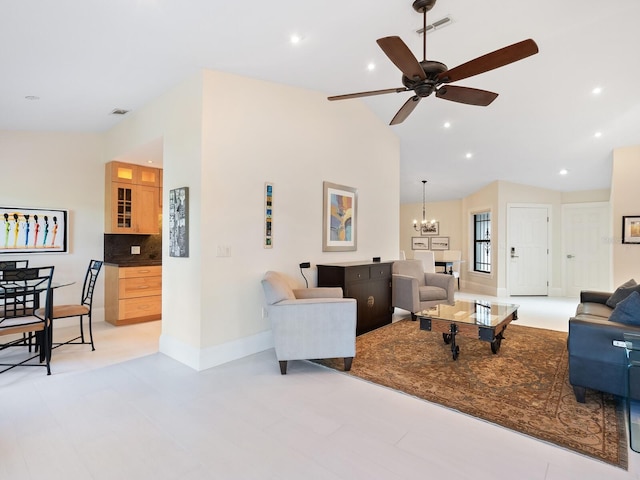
202 359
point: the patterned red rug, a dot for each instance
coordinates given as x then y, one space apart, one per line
525 387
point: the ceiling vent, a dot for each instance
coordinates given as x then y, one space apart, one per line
119 111
443 22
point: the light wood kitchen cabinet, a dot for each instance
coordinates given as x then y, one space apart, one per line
132 199
133 294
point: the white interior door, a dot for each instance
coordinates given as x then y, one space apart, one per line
586 249
528 250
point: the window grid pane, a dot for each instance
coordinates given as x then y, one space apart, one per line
482 242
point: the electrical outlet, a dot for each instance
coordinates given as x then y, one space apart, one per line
135 250
265 312
305 265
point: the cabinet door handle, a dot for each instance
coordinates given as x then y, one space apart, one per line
143 286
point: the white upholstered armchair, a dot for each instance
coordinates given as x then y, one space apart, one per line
414 290
309 323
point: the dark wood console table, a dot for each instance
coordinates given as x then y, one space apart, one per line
369 283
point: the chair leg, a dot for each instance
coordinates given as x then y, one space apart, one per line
93 348
283 367
347 363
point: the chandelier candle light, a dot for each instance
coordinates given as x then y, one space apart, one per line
424 222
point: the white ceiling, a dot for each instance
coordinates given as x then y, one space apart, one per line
84 58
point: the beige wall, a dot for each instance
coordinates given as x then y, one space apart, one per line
224 145
61 171
496 197
625 201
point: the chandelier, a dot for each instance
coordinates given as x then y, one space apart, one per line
423 225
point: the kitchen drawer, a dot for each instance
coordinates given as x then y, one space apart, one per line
380 271
131 272
141 307
139 287
356 274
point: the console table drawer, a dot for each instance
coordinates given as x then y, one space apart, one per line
380 271
356 274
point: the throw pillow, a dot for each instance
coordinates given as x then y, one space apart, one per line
628 310
622 292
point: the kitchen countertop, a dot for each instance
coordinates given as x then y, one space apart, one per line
140 263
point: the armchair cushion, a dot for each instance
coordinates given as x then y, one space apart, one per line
627 311
276 288
622 292
428 293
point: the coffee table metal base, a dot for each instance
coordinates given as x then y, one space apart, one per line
450 329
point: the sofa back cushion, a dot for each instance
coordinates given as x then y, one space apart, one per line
628 310
622 292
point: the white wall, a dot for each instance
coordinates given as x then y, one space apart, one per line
224 144
61 171
625 201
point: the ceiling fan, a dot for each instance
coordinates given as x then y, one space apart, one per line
430 76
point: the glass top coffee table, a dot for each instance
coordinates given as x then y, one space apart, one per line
479 319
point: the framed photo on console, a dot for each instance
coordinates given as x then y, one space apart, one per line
631 229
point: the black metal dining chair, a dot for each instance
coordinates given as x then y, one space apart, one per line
22 291
82 309
13 264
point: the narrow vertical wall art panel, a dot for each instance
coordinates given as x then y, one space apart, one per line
179 222
268 215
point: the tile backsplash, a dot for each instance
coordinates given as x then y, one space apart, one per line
117 249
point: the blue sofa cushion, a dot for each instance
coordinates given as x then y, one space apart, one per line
622 292
628 310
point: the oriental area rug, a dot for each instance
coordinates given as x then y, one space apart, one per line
525 387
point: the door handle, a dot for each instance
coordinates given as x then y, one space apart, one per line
571 256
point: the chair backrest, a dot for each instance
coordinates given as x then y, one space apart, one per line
21 290
13 264
276 288
411 268
453 256
428 260
90 282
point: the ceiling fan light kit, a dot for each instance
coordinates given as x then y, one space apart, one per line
428 76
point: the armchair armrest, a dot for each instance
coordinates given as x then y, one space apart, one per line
442 280
318 292
591 296
404 292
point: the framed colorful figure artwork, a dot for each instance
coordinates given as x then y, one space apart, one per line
339 218
33 230
179 222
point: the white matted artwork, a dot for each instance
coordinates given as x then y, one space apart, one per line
179 222
439 243
430 228
419 243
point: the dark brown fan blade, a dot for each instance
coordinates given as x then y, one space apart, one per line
401 56
368 94
470 96
490 61
405 110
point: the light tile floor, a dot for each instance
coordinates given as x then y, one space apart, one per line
126 412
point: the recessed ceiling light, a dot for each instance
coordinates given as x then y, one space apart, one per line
32 97
597 134
119 111
469 155
295 39
371 66
447 124
597 90
564 171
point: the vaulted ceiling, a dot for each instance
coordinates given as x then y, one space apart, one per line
83 58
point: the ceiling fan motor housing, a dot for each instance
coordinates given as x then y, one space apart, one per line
424 88
422 6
